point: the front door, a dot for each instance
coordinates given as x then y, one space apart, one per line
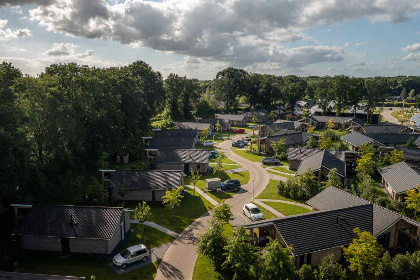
65 245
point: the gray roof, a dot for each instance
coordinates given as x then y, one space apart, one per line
71 221
322 159
392 139
323 230
230 117
193 125
409 154
400 177
172 142
212 121
383 129
357 139
332 198
282 124
415 119
31 276
183 156
177 133
301 153
290 137
325 119
147 180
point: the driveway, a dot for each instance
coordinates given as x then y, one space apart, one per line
179 260
386 114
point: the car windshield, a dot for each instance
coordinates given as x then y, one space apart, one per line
255 211
125 254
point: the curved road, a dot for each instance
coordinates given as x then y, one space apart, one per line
179 260
386 114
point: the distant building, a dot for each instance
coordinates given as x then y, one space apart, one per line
224 125
355 139
235 120
339 122
415 120
381 129
260 117
291 138
198 126
183 160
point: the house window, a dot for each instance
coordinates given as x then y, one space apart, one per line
309 258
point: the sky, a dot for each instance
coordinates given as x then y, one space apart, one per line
198 38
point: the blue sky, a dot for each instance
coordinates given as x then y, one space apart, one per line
197 38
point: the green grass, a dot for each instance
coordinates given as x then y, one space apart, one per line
191 208
225 160
270 192
280 174
267 214
284 169
82 267
152 237
248 155
204 270
402 115
287 209
138 164
228 166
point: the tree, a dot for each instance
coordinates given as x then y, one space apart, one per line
277 262
406 267
142 213
322 94
312 143
413 199
195 177
363 254
254 118
213 242
339 91
376 88
305 273
356 92
330 124
172 199
279 148
334 180
366 162
311 129
325 142
293 89
229 84
307 182
385 266
367 188
412 93
222 213
240 255
396 156
122 190
403 93
329 269
218 126
218 168
411 143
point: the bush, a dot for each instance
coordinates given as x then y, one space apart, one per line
331 134
303 187
305 273
406 267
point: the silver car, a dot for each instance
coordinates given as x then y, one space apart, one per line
131 255
270 160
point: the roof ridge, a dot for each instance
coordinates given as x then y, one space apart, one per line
78 206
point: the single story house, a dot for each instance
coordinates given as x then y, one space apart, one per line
355 140
145 185
321 163
360 113
260 117
30 276
235 120
381 129
296 155
291 138
224 125
73 229
339 122
398 179
272 129
198 126
411 156
185 160
415 120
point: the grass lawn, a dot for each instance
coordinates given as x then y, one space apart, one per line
280 174
284 169
82 267
191 208
225 160
402 115
267 214
287 209
248 155
228 166
152 237
270 192
204 270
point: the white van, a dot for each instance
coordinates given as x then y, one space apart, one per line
131 255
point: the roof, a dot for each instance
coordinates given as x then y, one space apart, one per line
322 159
192 125
71 221
177 133
147 180
323 230
301 153
136 248
332 198
357 139
31 276
400 177
282 124
255 113
409 154
415 119
383 129
290 137
172 142
358 121
230 117
325 119
183 156
390 139
211 121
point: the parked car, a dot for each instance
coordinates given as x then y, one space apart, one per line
270 160
252 212
213 154
253 126
208 143
231 184
238 144
131 255
239 130
246 138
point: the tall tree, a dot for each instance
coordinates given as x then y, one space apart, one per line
142 213
340 92
322 94
293 89
172 199
356 92
229 84
277 262
212 243
329 269
376 88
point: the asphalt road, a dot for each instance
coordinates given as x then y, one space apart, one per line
179 260
386 114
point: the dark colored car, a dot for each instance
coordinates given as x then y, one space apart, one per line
231 184
239 130
213 154
238 144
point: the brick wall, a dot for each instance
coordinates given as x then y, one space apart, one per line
41 243
317 256
89 246
136 195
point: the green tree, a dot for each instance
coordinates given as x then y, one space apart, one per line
366 162
412 93
305 273
195 177
339 91
312 143
277 262
322 94
307 182
172 199
406 267
279 148
142 213
293 88
376 88
356 92
325 142
218 168
413 199
212 243
218 126
222 213
240 255
396 156
330 124
367 188
229 84
411 143
363 254
385 266
329 269
334 180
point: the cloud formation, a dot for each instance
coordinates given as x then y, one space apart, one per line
412 48
25 2
59 49
8 34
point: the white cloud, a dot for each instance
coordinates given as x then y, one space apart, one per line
412 57
361 43
61 49
24 2
8 34
87 53
358 66
346 44
411 48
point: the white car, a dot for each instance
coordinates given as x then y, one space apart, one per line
208 143
252 212
131 255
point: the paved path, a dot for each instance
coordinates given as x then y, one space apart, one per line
286 202
158 227
156 253
203 194
179 260
388 117
271 209
277 177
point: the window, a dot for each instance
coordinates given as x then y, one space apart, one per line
309 258
142 251
301 260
